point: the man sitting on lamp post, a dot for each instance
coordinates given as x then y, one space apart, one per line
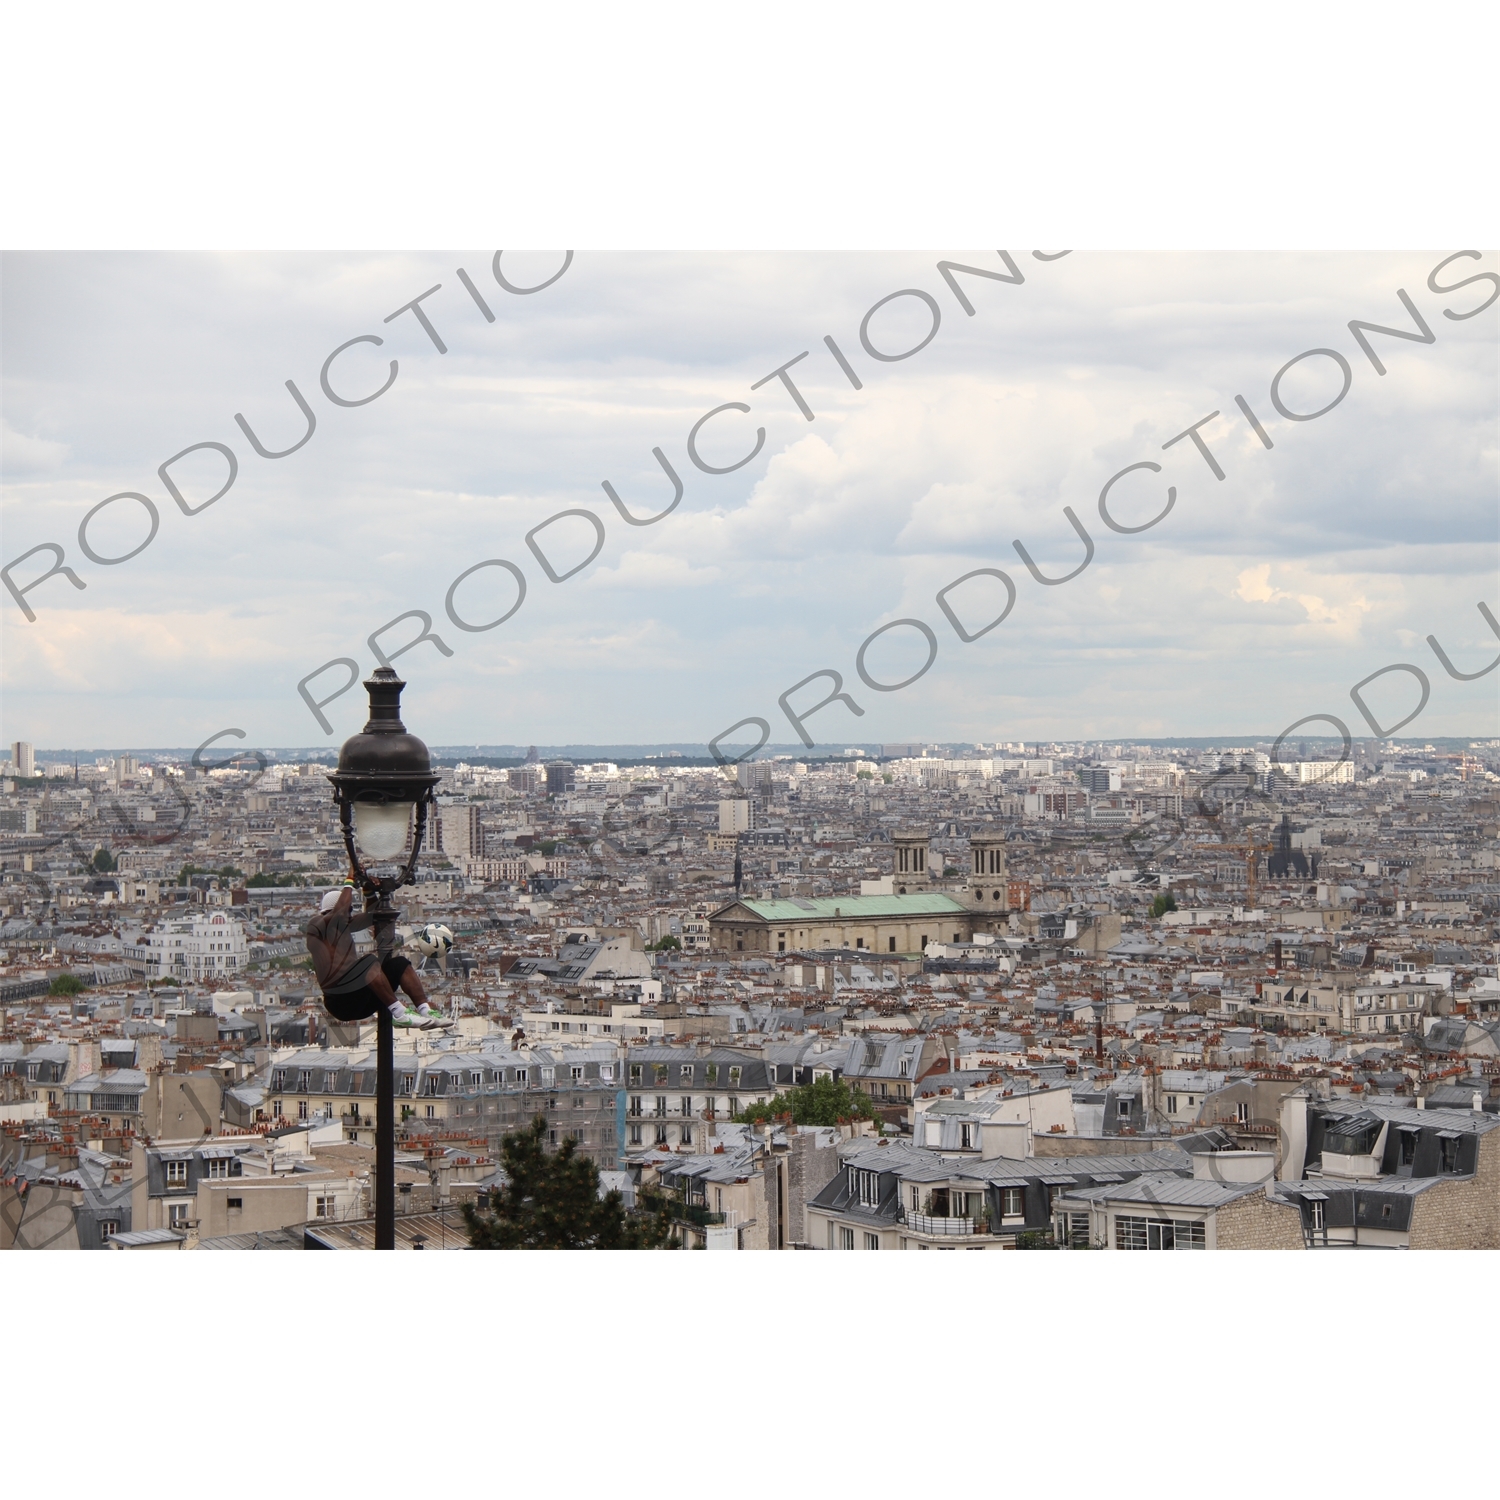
355 985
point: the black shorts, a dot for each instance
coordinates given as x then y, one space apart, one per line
361 1004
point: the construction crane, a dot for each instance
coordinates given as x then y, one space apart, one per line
1252 850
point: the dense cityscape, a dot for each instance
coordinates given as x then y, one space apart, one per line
1123 996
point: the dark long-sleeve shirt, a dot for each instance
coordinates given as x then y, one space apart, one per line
335 959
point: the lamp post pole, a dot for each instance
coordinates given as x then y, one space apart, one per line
388 773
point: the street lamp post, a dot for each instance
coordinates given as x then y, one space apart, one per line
383 775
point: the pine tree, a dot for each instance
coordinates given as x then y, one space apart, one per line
551 1202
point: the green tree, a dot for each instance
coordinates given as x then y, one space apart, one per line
826 1102
551 1202
66 984
663 945
103 861
1163 904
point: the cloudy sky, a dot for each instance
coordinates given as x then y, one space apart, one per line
1261 598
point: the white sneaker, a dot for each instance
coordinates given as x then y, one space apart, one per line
400 1016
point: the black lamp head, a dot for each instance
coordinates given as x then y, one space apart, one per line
383 763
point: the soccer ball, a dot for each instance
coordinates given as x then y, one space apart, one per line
432 941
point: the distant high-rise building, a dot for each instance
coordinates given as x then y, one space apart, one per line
460 835
125 767
560 775
24 757
1100 778
526 779
735 815
754 775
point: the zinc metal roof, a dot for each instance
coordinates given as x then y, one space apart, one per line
1169 1190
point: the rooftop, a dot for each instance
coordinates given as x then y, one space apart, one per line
831 908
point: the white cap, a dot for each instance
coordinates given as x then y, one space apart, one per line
331 898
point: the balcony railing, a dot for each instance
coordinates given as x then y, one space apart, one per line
932 1224
698 1216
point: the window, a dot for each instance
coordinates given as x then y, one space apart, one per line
176 1172
661 1135
234 1205
1171 1104
1317 1216
1012 1203
903 1068
302 1109
476 1078
734 1077
432 1111
1242 1112
711 1073
218 1168
916 1199
859 942
1408 1145
108 1227
1159 1234
864 1187
659 1073
1122 1108
872 1242
606 1072
1447 1151
661 1104
846 1239
276 1109
958 937
687 1135
687 1104
576 1074
635 1135
637 1104
1075 1230
323 1208
965 1135
635 1073
177 1214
